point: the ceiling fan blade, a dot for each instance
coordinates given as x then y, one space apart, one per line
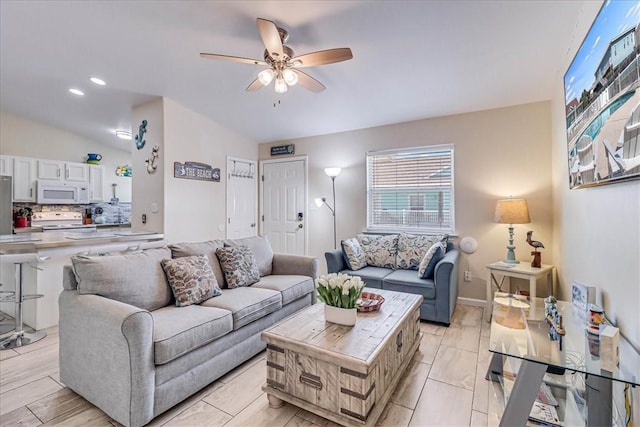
254 86
232 58
322 57
308 82
270 37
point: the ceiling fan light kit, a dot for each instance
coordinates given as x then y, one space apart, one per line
283 66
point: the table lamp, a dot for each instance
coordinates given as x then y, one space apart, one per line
511 211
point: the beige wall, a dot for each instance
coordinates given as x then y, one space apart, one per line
23 137
498 153
188 210
148 188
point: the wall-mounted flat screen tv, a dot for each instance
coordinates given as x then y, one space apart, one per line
602 99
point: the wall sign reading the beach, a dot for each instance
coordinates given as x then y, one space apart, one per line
602 100
196 170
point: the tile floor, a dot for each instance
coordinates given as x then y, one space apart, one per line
443 386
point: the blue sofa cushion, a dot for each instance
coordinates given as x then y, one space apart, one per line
428 263
353 254
372 276
408 281
379 250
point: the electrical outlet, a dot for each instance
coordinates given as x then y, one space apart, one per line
144 218
467 276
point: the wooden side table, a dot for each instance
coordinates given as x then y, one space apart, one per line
519 271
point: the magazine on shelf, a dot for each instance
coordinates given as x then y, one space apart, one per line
544 413
543 409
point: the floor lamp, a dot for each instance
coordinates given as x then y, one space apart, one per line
331 173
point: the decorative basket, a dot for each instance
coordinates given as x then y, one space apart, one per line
369 302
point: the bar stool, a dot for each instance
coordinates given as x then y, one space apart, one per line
19 337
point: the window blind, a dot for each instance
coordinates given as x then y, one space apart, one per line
411 190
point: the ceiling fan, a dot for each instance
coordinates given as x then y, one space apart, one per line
283 67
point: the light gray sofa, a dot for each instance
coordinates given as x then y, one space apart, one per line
440 293
134 363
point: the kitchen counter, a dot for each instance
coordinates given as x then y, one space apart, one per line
47 240
44 254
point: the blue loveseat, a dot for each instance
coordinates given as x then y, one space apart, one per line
440 293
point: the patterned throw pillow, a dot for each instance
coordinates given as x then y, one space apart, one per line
354 254
427 266
239 266
191 279
411 249
379 250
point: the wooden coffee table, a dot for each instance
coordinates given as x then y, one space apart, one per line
345 374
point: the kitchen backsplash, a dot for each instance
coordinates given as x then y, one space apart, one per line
113 214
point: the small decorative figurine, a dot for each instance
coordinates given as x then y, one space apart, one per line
537 257
141 131
151 162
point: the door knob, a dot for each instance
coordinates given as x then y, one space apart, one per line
253 225
300 226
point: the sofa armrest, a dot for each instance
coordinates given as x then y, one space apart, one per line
295 264
446 283
335 261
106 355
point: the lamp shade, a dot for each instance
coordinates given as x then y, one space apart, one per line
332 172
511 211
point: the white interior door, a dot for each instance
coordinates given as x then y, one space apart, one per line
242 198
284 201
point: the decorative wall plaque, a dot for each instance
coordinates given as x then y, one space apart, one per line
196 170
283 149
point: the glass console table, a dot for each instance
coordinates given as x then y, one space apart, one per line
519 331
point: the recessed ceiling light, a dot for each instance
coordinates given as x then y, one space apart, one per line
76 91
123 134
98 81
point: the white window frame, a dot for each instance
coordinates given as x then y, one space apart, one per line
419 230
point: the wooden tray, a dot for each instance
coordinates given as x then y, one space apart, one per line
369 301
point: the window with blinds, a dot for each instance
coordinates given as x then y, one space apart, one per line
411 190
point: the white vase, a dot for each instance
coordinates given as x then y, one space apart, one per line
341 316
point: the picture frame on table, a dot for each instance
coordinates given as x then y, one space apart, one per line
581 297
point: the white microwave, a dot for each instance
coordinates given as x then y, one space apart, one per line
61 192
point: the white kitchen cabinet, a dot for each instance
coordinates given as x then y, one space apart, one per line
6 165
96 184
76 172
24 179
50 169
62 171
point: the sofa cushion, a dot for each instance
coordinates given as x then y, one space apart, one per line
202 248
379 250
372 276
411 249
191 279
291 287
354 256
177 331
407 281
246 303
136 279
431 258
239 266
261 249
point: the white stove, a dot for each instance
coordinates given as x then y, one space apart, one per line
60 221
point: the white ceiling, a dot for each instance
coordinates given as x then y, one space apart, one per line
412 60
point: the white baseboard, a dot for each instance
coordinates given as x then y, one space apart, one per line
472 301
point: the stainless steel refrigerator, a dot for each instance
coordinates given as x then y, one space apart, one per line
6 205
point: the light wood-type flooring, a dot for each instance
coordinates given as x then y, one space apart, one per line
443 386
